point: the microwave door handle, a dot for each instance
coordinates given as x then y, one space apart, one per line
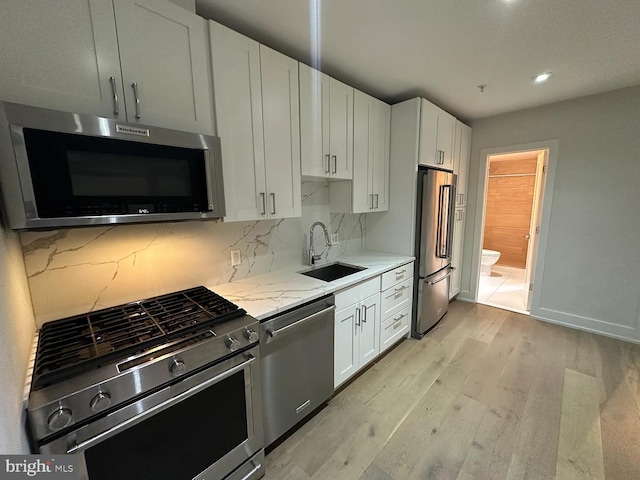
209 170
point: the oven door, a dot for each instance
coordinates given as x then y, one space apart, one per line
204 428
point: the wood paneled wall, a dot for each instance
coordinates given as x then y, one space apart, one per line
508 215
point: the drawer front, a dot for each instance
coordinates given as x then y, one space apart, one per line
394 328
397 297
357 293
396 275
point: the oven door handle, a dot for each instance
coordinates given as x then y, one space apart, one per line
161 406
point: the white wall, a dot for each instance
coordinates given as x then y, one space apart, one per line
17 328
591 276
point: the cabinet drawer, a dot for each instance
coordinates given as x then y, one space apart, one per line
396 275
394 327
397 297
357 293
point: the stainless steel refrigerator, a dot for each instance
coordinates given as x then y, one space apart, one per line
434 238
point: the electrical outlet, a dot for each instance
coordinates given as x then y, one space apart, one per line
335 238
235 258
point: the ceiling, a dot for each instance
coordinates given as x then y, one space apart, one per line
443 49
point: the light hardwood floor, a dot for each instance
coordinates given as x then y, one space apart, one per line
488 394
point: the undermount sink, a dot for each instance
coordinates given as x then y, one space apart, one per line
332 271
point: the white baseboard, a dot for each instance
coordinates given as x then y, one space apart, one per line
619 332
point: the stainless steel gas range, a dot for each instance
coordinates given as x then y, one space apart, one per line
165 388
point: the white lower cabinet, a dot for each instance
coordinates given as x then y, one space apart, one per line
396 300
368 320
357 329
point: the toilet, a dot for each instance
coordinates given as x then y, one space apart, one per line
489 257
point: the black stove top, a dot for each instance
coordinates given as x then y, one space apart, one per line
74 345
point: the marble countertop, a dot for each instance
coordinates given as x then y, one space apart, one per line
265 295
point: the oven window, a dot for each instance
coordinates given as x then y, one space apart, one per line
179 442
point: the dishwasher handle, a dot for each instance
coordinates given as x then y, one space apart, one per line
274 333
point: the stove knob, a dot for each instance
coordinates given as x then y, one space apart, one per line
251 335
60 418
233 343
101 401
177 367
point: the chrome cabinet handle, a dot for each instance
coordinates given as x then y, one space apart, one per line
328 170
400 289
335 164
264 203
136 95
376 195
357 317
399 318
273 203
371 198
401 272
114 91
364 314
462 198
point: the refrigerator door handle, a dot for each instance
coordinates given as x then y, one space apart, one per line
444 209
451 269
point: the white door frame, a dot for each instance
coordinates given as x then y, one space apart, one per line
553 147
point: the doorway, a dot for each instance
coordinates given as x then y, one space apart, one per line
513 195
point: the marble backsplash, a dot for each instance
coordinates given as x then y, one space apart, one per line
79 270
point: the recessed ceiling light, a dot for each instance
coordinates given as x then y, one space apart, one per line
542 77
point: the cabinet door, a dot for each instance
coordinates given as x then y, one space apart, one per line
281 120
465 152
238 97
314 122
456 256
446 130
380 156
163 52
363 138
341 129
345 345
60 55
369 330
428 134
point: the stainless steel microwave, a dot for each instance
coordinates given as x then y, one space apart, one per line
62 169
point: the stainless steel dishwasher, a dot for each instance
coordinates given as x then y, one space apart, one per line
296 349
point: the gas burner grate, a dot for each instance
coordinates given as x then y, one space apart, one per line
77 344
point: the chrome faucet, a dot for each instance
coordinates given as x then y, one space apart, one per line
313 258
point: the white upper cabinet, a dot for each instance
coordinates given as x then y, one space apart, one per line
437 130
380 157
60 55
257 113
84 56
462 152
326 125
164 65
369 191
238 100
281 123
